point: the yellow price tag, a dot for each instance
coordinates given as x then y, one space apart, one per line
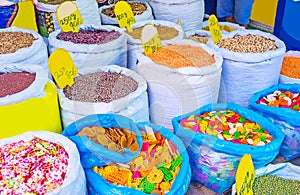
62 68
150 39
214 28
124 15
68 17
245 176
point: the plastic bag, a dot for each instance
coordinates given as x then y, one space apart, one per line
134 45
214 161
35 54
189 12
288 120
93 154
134 105
113 52
146 15
262 70
98 185
287 80
173 92
74 182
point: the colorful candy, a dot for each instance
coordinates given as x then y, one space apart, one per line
282 99
33 167
229 126
152 171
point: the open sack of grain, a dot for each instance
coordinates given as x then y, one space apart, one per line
290 70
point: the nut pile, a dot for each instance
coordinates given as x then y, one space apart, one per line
15 82
53 2
100 87
199 38
229 126
271 184
164 32
282 99
137 9
153 171
93 36
291 67
248 44
177 56
114 138
11 42
33 167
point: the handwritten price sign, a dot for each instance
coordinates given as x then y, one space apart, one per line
68 16
150 39
124 15
214 28
245 176
62 68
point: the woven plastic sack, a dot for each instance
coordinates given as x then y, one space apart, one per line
189 12
113 52
134 105
98 185
288 120
285 79
262 70
93 154
47 21
35 54
214 161
146 15
173 92
36 89
134 45
74 182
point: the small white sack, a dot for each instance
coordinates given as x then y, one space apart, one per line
288 80
189 12
134 105
36 89
146 15
74 182
113 52
173 92
35 54
244 74
135 44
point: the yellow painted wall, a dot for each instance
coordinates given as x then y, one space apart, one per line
264 11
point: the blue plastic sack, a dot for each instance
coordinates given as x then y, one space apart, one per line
98 185
93 154
287 119
214 161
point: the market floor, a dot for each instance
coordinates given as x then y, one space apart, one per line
198 189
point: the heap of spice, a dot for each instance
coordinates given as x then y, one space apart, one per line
15 82
177 56
282 99
114 138
33 167
10 42
153 171
291 67
100 87
222 27
164 32
138 8
229 126
91 36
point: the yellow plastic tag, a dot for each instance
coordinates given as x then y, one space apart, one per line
214 28
124 15
245 176
150 39
68 16
62 68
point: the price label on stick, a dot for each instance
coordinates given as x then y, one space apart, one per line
214 28
150 39
68 16
181 25
124 15
62 68
245 176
